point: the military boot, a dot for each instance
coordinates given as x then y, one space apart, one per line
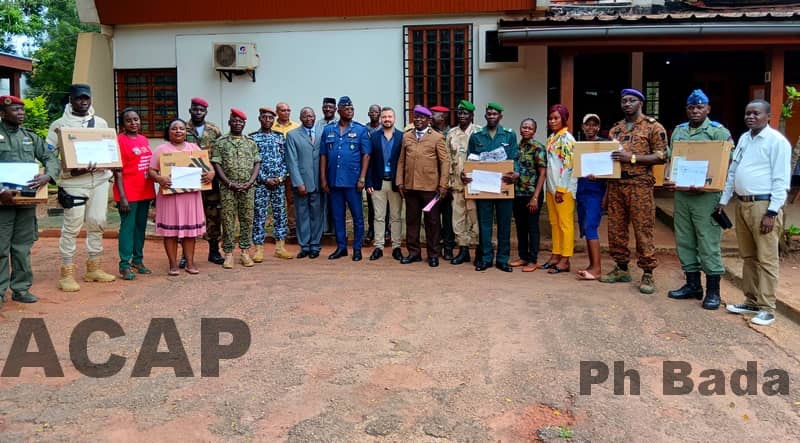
95 273
712 292
648 283
692 288
245 259
228 263
213 253
24 297
67 281
280 250
258 257
462 257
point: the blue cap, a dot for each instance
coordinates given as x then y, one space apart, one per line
697 97
345 101
633 92
419 109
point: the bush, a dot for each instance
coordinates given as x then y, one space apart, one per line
36 117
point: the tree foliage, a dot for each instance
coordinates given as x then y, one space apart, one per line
20 18
36 116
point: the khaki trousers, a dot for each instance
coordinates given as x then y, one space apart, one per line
379 200
759 252
92 215
465 220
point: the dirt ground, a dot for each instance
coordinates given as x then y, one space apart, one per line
378 351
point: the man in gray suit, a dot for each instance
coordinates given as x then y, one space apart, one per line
302 160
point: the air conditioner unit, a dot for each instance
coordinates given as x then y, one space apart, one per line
235 57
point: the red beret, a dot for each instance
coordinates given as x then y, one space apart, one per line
199 101
11 100
238 113
439 109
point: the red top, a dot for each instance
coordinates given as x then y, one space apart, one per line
136 156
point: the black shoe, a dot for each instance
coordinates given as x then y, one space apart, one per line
376 254
410 259
338 253
433 262
481 266
313 254
448 254
357 255
182 263
712 301
24 297
462 257
302 254
505 267
692 288
397 254
369 236
213 253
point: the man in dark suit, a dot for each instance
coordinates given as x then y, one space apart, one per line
386 144
422 174
302 160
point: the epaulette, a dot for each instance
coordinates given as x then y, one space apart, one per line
683 125
509 130
716 124
651 119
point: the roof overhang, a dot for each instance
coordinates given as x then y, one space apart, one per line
654 30
15 62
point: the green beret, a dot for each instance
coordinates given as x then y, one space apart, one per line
466 105
495 106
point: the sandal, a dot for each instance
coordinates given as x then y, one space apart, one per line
548 265
173 272
127 273
556 270
141 268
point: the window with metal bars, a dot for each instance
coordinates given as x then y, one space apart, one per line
652 105
152 92
437 66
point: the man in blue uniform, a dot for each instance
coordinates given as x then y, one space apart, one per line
344 158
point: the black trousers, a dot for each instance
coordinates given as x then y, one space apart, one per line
527 228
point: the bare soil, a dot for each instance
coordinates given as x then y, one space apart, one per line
378 351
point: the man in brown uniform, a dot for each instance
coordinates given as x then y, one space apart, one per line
203 133
630 199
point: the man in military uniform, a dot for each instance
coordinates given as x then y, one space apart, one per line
203 133
465 217
236 162
270 192
697 236
494 136
440 122
18 223
630 199
344 159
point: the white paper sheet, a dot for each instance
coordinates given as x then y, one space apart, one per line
18 173
486 181
185 177
673 166
596 163
96 151
691 173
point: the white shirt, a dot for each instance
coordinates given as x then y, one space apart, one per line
761 165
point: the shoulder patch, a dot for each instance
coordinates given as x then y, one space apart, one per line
651 119
509 130
683 125
716 124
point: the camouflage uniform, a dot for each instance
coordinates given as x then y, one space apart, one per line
272 149
236 155
465 215
697 236
211 198
630 199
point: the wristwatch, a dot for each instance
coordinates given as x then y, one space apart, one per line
772 214
633 159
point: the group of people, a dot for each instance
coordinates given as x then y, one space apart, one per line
308 173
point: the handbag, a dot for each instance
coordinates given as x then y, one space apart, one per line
722 219
68 201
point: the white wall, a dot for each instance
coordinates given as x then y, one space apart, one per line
303 62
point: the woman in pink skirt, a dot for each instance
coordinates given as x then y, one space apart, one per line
179 217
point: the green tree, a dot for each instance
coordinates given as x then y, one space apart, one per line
20 18
36 116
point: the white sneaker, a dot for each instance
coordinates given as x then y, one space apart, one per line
742 309
763 318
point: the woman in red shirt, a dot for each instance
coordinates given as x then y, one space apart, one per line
133 193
